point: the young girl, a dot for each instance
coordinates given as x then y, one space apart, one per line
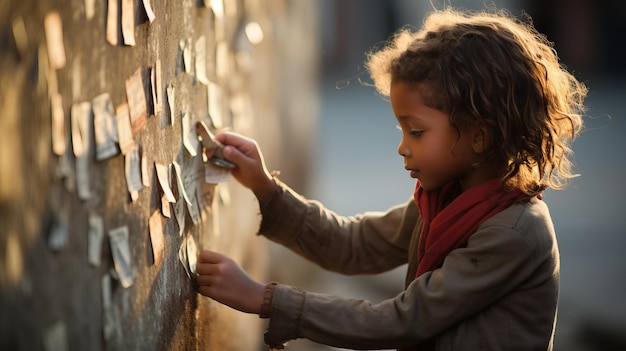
487 115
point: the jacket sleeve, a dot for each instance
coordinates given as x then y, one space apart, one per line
373 242
495 261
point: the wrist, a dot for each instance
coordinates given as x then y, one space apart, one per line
266 189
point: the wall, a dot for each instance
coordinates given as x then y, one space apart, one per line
53 294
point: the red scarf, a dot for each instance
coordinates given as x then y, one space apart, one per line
450 216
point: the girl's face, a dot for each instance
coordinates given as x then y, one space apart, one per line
433 151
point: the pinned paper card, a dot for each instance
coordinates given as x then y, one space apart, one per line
83 161
53 26
124 128
59 140
59 229
162 175
128 22
80 114
136 96
105 127
113 22
181 196
193 172
122 260
94 239
149 11
145 174
133 172
190 139
192 255
157 237
182 257
166 208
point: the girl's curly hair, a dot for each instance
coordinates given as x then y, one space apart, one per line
495 70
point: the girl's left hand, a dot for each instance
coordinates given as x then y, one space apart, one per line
220 278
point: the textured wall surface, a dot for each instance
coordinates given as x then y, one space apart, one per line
66 176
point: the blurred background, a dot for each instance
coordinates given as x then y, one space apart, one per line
357 167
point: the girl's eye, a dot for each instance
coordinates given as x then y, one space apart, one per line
416 133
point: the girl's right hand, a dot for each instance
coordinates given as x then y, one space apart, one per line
250 171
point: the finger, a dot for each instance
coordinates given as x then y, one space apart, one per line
204 280
234 139
207 256
206 268
235 155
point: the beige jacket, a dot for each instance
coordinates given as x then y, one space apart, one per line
498 293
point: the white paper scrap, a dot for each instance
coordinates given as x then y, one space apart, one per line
149 11
190 138
105 127
124 128
133 171
162 175
192 255
136 96
120 249
80 113
94 239
53 26
59 139
157 237
128 22
113 22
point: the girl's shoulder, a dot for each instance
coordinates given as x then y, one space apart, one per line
527 218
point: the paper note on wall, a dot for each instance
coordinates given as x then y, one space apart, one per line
162 174
80 114
94 239
149 11
53 26
181 196
128 22
113 22
157 237
124 128
105 127
132 163
59 139
136 96
120 249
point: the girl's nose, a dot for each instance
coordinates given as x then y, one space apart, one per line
402 149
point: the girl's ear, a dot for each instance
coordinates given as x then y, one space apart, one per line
481 140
